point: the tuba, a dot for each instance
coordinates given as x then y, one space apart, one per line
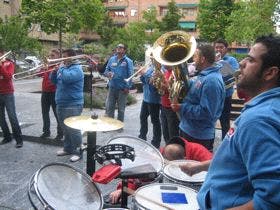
173 49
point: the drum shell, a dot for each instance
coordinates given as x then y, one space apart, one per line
190 194
194 185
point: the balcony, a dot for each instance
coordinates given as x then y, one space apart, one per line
115 4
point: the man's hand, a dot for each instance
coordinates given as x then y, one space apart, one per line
175 106
191 168
126 91
115 196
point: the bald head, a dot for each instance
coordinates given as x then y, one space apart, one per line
174 152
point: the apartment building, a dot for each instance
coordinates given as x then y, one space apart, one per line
126 11
9 8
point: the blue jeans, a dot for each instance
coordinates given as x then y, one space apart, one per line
169 123
7 101
72 137
119 97
150 109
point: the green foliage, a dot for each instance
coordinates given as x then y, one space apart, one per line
238 56
252 19
150 19
14 36
63 16
170 21
213 18
106 30
134 37
99 98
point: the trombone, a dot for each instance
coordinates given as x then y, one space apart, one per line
5 55
50 63
137 72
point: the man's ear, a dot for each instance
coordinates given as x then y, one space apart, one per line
271 73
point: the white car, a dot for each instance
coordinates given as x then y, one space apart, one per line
33 60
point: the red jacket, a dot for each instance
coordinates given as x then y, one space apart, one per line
7 70
165 101
47 85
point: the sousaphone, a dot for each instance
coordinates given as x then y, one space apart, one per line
173 49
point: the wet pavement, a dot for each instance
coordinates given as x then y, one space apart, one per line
18 165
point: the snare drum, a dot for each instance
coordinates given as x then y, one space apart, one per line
174 174
157 191
145 153
61 186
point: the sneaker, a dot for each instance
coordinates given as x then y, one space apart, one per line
75 158
58 137
19 145
45 135
62 153
6 140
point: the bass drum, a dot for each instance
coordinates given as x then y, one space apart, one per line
145 153
61 186
172 173
152 197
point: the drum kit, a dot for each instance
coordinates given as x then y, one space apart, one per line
61 186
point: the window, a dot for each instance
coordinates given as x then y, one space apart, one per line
133 12
188 12
6 1
163 11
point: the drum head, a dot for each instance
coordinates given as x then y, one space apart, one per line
173 172
64 187
145 153
154 192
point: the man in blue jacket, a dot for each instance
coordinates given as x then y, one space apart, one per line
203 104
228 66
245 171
119 68
150 107
69 98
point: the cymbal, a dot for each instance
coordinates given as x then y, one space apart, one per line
87 123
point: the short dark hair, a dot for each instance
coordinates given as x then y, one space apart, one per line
272 56
69 52
208 52
222 41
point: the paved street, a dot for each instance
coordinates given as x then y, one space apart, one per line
18 165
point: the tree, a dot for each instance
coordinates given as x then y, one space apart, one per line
106 30
63 16
135 38
252 19
150 19
14 36
213 18
170 21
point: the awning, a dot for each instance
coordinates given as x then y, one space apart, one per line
189 25
187 5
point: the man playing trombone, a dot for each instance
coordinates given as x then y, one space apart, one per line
69 81
48 99
7 101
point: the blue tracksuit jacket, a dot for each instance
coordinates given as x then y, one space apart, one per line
247 164
203 105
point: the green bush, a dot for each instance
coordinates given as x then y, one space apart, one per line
238 56
99 97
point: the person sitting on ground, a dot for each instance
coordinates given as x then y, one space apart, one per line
177 148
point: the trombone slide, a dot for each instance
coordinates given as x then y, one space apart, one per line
5 55
136 73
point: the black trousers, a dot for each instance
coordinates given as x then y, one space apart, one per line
48 101
152 110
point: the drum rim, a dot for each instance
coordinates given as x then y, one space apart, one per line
160 184
176 180
145 142
37 173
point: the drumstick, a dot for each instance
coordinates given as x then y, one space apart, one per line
132 192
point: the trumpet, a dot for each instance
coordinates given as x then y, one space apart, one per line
5 55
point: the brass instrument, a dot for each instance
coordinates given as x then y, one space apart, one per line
173 49
5 55
48 63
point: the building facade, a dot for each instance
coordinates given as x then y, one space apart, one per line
126 11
